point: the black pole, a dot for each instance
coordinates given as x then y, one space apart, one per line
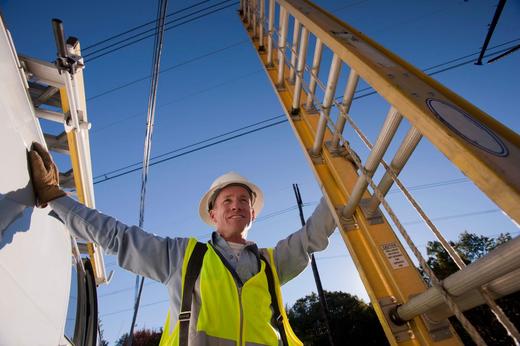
492 26
59 37
321 294
130 339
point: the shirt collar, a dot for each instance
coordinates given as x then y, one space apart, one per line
217 240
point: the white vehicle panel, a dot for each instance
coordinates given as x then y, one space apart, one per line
35 249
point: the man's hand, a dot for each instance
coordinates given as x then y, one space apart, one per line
44 176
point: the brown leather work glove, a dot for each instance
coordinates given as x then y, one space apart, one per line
44 174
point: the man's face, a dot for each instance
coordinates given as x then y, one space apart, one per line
233 213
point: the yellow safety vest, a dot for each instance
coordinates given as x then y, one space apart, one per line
229 315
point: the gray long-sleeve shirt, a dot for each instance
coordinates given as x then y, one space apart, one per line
161 258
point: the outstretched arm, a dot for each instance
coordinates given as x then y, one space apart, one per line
136 250
292 254
140 252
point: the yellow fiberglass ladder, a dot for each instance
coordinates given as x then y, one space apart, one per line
486 151
58 95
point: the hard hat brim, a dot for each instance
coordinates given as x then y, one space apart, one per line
219 185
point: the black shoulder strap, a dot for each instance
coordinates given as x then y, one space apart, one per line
278 319
192 273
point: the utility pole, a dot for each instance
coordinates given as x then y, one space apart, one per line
321 294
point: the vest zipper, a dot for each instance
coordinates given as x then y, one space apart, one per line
241 316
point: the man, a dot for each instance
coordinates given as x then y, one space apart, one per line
234 287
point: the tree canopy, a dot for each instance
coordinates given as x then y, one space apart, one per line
353 322
142 337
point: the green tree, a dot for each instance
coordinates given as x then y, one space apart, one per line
102 341
472 247
142 337
353 322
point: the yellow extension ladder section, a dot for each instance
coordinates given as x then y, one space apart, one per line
482 148
52 88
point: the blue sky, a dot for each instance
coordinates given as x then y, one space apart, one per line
228 90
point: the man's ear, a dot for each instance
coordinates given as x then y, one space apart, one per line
212 215
253 215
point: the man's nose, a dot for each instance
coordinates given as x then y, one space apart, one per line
235 205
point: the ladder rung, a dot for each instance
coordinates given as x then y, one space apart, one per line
300 70
315 69
348 96
501 287
50 115
57 143
386 134
48 93
261 26
41 94
330 91
402 155
44 72
294 51
270 34
494 265
284 23
67 179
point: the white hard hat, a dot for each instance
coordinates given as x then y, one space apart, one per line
221 182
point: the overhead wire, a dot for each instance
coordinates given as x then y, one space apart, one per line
185 62
106 177
129 39
178 99
92 55
156 62
193 150
191 145
141 26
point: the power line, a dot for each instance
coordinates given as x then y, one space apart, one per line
186 62
183 97
153 29
156 63
105 175
193 150
87 59
143 306
432 185
455 216
141 26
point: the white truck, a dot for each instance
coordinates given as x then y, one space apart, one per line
48 280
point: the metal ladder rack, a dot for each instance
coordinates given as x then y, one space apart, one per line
58 95
485 150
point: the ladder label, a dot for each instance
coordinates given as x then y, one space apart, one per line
394 255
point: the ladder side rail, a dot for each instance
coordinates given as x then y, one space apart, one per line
74 98
78 145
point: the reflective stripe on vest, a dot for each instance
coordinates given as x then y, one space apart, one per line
229 315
